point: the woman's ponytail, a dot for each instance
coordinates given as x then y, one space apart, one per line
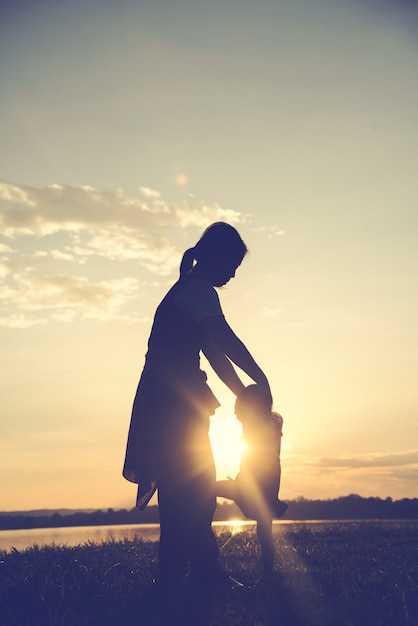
187 262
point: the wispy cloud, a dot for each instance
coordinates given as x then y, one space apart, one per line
40 297
270 231
370 460
40 211
369 475
358 461
52 236
271 312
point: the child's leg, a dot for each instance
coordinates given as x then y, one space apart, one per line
226 489
265 537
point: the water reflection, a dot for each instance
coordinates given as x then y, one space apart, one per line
76 535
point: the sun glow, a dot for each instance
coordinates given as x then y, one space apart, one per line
227 445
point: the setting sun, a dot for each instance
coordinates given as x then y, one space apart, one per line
227 445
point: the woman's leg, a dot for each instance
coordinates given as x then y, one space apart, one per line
173 555
187 503
203 547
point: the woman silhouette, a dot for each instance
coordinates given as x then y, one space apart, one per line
168 444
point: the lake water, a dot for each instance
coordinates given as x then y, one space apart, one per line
76 535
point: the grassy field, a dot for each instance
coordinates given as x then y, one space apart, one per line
326 575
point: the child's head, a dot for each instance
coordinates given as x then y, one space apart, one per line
253 405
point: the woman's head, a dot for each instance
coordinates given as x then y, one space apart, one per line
218 253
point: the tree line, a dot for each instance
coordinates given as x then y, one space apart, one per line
352 507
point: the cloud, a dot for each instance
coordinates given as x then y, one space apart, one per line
107 223
371 460
153 251
5 249
149 193
359 461
56 237
40 211
4 268
270 231
369 475
271 312
64 297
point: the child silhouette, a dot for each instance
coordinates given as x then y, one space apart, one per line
256 486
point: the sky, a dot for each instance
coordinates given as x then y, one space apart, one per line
125 129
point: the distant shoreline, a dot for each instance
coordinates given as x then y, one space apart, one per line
352 507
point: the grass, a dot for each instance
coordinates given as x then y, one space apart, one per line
346 574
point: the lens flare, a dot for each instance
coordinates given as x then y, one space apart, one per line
181 180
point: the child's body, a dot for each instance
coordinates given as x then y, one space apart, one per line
256 486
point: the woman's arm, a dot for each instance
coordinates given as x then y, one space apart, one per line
220 345
222 366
